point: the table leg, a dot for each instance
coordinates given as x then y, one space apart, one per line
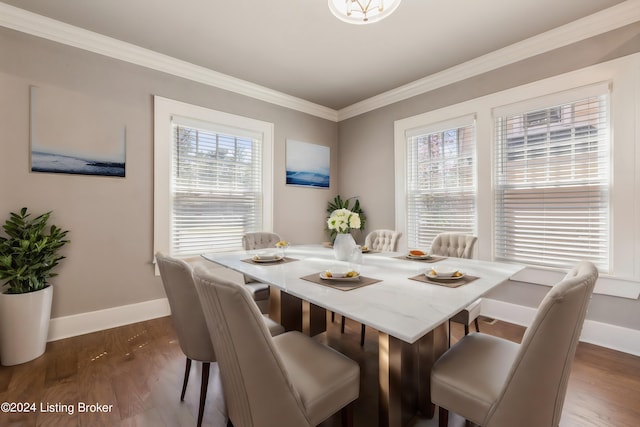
398 381
285 309
314 319
295 314
430 348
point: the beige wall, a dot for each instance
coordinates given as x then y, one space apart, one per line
111 219
367 149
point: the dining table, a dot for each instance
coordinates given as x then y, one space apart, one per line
392 294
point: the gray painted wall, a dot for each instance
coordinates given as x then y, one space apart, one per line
109 259
111 219
367 149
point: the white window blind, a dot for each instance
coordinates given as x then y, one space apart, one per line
441 183
216 187
552 184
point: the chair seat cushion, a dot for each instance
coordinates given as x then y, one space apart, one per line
275 328
325 379
459 377
259 291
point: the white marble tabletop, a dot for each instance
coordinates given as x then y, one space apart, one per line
398 306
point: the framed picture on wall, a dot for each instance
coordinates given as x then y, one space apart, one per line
75 134
307 164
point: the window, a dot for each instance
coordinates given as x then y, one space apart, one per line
552 182
543 117
213 179
441 184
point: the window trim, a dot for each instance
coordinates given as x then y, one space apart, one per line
164 110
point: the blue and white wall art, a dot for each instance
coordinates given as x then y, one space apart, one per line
307 164
74 134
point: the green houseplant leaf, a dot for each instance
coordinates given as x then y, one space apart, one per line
29 252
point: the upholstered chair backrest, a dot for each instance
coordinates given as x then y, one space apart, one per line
537 383
259 240
186 313
258 391
459 245
382 240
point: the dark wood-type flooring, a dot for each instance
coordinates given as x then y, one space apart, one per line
138 368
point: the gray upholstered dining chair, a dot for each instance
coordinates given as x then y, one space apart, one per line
382 240
252 241
494 382
189 322
289 380
260 240
451 244
378 240
458 245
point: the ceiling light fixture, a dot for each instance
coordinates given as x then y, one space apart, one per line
362 11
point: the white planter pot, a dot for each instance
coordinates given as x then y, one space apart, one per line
343 246
24 325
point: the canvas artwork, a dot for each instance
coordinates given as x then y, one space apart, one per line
307 164
74 134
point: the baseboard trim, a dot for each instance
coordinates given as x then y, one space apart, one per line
84 323
603 334
614 337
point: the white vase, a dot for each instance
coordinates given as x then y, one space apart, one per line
343 246
24 325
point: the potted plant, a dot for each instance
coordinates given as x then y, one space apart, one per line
28 256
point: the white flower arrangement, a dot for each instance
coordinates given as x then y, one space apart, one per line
343 220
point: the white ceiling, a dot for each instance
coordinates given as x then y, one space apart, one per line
299 48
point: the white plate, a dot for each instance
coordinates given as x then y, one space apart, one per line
340 279
430 275
267 259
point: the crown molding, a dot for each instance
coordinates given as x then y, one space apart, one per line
40 26
609 19
598 23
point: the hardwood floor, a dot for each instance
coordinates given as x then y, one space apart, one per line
135 373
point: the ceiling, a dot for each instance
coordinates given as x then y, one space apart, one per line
299 48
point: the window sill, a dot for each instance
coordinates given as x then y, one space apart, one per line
606 285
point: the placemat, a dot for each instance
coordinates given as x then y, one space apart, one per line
444 282
433 258
282 261
341 285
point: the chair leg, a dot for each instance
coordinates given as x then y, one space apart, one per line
187 369
477 324
206 366
347 415
449 346
229 423
443 417
466 329
362 329
333 316
342 325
